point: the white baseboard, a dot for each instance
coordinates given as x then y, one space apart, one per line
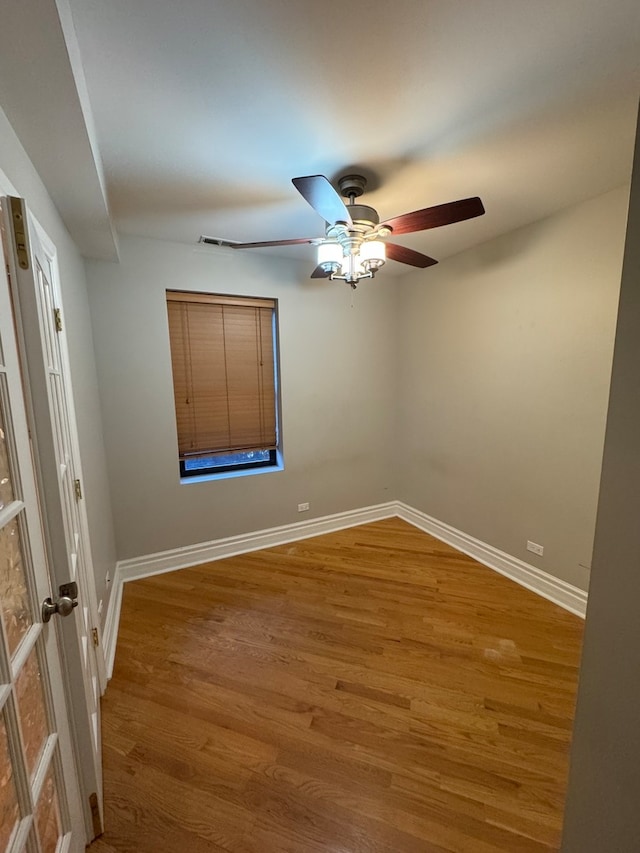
205 552
111 622
559 592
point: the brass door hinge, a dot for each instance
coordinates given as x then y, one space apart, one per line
57 316
78 489
96 639
19 232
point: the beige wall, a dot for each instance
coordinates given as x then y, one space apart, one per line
602 811
19 170
338 363
505 357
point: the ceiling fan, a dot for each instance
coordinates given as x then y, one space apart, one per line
354 245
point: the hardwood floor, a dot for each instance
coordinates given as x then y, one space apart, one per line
364 691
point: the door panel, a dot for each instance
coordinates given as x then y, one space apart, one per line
9 810
32 712
39 792
53 416
6 488
13 581
48 821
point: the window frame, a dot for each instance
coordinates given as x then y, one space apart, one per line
271 462
275 461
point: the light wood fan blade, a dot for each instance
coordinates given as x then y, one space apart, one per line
434 217
318 192
408 256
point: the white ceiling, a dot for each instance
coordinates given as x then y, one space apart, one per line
205 110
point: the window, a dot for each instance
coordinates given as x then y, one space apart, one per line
223 358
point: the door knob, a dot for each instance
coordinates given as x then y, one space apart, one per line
64 604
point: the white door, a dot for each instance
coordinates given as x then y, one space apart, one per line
37 298
40 800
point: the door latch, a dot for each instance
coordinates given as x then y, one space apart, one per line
64 604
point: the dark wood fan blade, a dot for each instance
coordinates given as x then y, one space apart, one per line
320 273
408 256
318 192
434 217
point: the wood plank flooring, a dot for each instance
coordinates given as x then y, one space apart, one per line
366 691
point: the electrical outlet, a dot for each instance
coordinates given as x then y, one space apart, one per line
303 507
535 548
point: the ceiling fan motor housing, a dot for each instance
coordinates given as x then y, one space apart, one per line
362 214
352 186
363 217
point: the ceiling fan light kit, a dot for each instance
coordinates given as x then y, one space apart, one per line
373 254
330 256
354 247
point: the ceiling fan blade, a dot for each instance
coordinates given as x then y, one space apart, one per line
408 256
434 217
320 273
266 243
318 192
233 244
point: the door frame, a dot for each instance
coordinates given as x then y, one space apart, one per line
89 775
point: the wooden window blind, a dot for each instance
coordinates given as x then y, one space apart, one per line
223 360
